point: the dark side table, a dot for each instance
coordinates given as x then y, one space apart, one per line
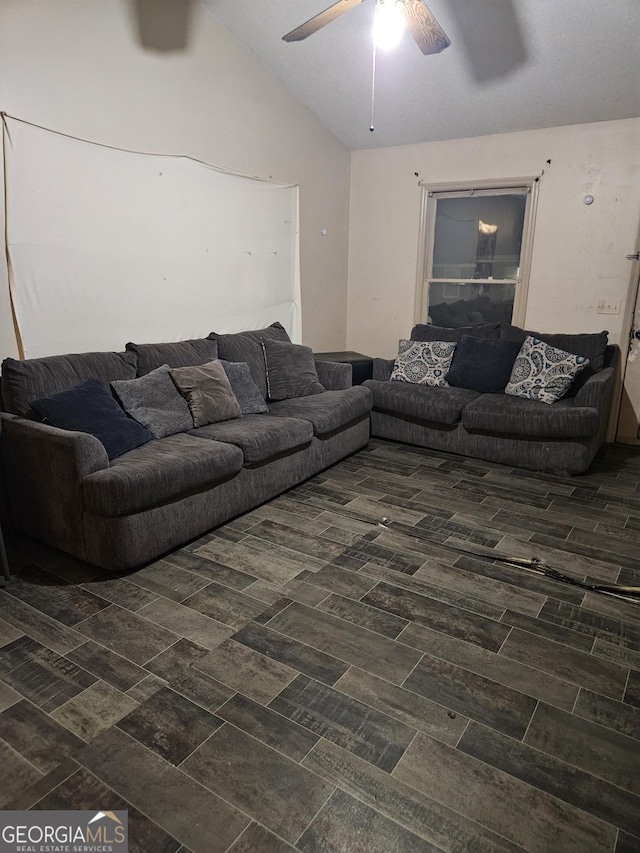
362 365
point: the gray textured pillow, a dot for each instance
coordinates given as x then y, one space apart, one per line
291 370
247 346
155 402
207 392
175 354
247 394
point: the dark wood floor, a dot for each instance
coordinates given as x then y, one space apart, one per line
304 679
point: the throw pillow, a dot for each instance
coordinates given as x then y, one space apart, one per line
290 370
207 392
423 362
175 354
249 398
482 364
89 407
542 372
247 347
155 402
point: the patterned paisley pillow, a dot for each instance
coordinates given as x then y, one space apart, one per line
423 363
542 372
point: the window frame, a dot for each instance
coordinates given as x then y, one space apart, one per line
430 195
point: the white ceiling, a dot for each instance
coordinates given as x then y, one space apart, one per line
512 65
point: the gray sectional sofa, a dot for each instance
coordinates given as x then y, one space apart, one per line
563 436
63 489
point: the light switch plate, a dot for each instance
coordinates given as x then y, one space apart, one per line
608 306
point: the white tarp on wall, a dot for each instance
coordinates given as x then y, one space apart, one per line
108 246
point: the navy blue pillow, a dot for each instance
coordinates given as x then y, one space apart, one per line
483 364
91 408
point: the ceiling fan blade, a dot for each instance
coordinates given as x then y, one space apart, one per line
426 31
314 24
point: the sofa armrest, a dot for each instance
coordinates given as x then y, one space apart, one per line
382 368
335 376
597 392
44 467
595 389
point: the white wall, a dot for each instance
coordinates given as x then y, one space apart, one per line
76 66
579 251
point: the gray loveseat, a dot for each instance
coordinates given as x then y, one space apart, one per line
62 488
563 436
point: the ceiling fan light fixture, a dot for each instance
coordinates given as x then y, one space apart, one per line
388 24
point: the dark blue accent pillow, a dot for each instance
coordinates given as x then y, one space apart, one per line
91 408
483 364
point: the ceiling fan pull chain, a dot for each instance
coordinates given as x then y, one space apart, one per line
373 87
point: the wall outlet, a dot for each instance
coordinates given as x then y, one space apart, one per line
608 306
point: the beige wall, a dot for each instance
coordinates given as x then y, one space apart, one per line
76 66
579 251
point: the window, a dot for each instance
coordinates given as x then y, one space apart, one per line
475 254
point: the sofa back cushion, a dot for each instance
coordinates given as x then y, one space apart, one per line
424 332
247 347
175 354
23 381
591 345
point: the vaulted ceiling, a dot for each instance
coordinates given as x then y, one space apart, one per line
512 65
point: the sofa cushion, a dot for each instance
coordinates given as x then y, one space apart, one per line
423 362
208 393
427 332
247 346
327 412
482 364
500 413
591 346
246 391
158 472
23 381
420 402
89 407
154 401
290 370
175 354
260 437
542 372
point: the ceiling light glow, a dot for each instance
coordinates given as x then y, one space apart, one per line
388 24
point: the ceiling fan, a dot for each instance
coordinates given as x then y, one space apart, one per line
426 31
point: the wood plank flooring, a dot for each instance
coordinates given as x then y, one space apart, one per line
305 679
